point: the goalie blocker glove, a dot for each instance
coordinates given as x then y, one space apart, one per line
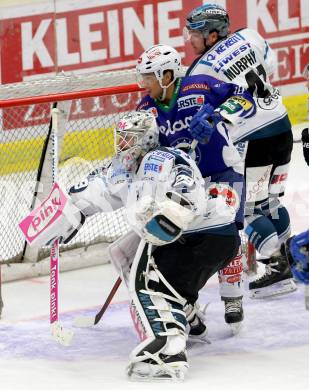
56 217
305 142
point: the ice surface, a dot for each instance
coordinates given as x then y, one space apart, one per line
270 352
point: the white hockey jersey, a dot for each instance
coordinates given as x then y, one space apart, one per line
163 172
245 58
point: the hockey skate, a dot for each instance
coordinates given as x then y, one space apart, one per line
234 313
151 361
277 279
197 330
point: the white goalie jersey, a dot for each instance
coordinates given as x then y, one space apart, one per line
167 187
245 58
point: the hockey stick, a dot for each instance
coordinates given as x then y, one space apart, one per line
58 332
193 146
89 321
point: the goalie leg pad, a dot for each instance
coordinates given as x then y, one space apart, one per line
160 321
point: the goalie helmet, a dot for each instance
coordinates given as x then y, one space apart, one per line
208 18
157 59
137 133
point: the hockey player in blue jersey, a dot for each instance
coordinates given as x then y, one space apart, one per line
297 247
245 58
179 102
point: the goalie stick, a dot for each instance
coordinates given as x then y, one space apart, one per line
84 322
59 333
89 321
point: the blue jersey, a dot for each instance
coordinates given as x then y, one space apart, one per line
174 120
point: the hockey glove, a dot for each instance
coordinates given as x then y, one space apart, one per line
203 124
297 250
163 222
305 142
56 217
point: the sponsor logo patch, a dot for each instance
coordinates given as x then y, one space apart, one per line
230 195
152 167
190 101
154 111
195 86
270 102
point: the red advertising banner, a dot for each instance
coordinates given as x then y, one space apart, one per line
111 34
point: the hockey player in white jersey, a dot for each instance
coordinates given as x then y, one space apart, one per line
180 237
246 59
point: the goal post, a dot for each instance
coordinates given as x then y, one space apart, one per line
97 102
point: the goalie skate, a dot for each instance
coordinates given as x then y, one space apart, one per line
163 368
196 317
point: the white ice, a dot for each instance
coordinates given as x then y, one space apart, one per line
270 352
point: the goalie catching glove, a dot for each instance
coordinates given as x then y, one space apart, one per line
161 223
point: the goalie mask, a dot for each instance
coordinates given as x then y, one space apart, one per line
137 133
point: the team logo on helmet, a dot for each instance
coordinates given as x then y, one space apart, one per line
153 54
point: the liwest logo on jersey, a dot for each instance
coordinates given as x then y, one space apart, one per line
230 57
190 101
220 48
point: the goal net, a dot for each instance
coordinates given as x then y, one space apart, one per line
95 103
